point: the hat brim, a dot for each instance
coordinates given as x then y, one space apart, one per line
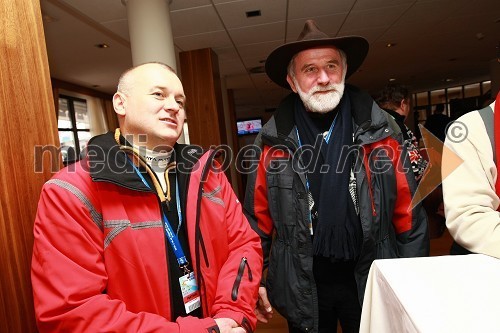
355 48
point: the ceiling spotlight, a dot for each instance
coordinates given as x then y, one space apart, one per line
392 79
102 46
448 80
390 44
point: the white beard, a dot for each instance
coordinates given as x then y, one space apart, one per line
322 103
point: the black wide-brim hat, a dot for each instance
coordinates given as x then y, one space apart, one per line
355 48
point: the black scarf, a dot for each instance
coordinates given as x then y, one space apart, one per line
337 229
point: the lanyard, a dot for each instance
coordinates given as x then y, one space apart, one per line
172 237
327 137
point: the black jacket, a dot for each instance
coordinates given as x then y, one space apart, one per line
276 205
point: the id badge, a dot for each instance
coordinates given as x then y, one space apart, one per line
190 293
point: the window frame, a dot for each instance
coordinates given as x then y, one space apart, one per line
72 116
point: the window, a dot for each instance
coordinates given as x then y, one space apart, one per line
472 90
74 127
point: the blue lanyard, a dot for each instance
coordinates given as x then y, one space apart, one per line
327 137
171 236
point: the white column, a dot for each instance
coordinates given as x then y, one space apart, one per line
150 33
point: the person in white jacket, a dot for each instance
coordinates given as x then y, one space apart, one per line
471 191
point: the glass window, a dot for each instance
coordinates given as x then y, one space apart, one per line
74 127
438 97
472 90
81 115
422 99
454 93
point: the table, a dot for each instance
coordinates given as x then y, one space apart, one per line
433 294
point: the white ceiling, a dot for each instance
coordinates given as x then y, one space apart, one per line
435 40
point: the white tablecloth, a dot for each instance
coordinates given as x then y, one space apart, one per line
435 294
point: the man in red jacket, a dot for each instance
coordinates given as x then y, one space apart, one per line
144 235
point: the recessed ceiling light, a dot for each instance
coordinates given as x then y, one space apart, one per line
102 46
390 44
448 80
253 13
392 79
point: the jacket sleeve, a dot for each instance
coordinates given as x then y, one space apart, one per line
256 206
469 195
409 217
239 277
68 274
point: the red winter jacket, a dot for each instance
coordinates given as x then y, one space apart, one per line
99 258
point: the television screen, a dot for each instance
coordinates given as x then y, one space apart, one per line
249 126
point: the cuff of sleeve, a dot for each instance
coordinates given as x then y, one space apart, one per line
239 318
199 324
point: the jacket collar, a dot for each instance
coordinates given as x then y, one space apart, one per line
107 163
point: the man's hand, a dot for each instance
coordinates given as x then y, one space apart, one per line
264 310
228 325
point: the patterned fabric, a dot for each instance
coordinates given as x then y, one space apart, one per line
418 162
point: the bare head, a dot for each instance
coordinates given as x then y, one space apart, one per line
150 104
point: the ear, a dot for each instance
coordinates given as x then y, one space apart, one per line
119 103
290 82
402 104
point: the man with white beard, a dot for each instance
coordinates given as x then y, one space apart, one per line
330 188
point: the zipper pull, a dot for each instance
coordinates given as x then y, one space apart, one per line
166 205
237 281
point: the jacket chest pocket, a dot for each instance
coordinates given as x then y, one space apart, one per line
281 200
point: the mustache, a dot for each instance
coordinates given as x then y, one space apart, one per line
330 87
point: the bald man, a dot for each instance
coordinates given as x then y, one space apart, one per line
144 235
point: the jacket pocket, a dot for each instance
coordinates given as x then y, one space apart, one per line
237 281
280 194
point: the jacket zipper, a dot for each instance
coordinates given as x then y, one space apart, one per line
241 270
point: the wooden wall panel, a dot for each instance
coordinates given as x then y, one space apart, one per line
204 107
237 177
28 119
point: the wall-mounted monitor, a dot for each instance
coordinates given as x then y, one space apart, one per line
249 126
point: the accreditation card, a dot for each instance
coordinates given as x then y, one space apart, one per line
190 293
